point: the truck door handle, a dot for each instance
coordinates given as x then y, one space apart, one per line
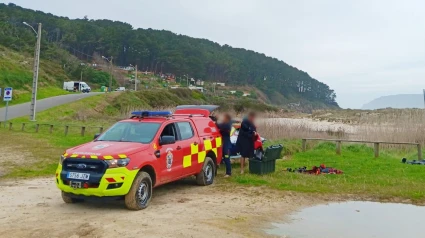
179 148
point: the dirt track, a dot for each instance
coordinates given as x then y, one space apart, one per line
34 208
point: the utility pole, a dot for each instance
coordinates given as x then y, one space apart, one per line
110 78
35 73
81 76
135 80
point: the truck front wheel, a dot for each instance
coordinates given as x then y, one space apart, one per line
68 199
140 193
207 174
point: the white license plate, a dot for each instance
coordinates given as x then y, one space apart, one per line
79 176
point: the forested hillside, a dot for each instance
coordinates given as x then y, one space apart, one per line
162 51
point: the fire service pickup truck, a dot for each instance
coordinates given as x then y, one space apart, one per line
135 155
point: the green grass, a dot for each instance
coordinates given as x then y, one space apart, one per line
34 155
37 153
364 176
382 178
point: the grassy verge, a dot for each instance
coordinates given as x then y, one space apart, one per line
25 96
26 155
365 176
91 111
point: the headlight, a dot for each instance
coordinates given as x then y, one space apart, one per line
117 163
62 158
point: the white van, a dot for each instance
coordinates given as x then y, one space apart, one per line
75 86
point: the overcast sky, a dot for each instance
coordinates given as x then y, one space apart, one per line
361 48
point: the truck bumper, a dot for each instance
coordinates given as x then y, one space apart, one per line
114 182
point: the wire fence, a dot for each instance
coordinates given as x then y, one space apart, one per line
45 128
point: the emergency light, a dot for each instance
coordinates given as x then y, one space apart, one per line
152 113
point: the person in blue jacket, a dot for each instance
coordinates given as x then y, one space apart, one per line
225 127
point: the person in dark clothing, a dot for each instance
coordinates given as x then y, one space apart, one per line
245 142
225 127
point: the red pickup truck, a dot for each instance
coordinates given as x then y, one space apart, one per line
135 155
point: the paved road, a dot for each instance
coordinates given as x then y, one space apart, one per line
43 104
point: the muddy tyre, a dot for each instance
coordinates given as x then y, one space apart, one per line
207 174
140 193
68 199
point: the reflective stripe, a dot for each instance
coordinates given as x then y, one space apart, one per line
194 149
207 144
187 161
232 131
215 151
198 152
218 142
84 156
201 156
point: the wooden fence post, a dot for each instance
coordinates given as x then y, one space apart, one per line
376 146
23 127
51 129
101 130
304 145
37 127
66 130
338 147
10 126
83 130
419 152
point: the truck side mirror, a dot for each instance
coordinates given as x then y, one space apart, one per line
167 140
96 135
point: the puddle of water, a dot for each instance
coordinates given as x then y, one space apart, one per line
353 220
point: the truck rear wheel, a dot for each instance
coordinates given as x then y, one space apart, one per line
68 199
140 193
207 174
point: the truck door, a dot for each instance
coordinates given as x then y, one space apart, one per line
190 143
171 158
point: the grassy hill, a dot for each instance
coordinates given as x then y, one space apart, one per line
16 71
158 51
105 109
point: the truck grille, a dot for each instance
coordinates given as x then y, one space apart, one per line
96 169
85 165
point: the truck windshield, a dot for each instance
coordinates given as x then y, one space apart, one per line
142 132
